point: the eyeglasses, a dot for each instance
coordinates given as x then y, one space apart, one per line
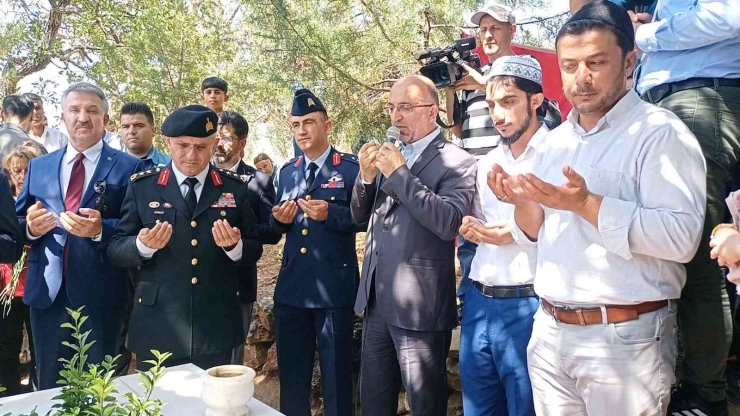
226 139
101 204
403 108
99 187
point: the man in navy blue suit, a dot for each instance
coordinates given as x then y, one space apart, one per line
69 208
318 280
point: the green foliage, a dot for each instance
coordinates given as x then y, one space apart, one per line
348 51
88 389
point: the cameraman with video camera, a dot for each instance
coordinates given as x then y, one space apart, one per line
496 28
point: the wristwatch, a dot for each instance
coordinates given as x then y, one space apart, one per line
721 226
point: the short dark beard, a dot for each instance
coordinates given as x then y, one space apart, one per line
508 141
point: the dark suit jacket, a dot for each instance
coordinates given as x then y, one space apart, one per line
11 235
410 247
261 194
187 299
90 278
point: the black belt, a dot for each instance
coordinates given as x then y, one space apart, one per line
655 94
521 291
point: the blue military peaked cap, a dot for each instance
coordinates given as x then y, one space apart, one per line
305 102
192 120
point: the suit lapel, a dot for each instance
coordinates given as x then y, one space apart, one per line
170 192
326 172
428 154
108 158
53 169
211 191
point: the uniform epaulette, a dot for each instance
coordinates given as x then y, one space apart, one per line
292 161
241 178
145 173
350 157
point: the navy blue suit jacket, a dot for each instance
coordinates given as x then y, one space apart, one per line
319 260
91 279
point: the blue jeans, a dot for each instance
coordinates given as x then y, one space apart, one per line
465 254
493 355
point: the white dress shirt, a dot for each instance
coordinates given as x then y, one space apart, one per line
417 148
90 162
514 263
145 252
650 170
52 139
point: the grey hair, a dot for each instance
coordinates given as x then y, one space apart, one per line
87 88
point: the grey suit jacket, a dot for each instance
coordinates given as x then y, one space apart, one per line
11 136
410 247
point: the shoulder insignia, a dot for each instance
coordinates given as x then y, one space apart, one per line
291 161
216 177
298 161
336 158
350 157
164 177
142 174
246 178
230 174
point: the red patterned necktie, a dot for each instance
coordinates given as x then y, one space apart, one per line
76 183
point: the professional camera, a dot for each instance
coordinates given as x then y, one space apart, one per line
442 66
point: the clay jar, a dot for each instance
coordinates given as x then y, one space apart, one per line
227 389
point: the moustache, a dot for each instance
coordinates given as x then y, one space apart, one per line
579 90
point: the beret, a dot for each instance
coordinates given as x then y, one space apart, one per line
193 121
305 102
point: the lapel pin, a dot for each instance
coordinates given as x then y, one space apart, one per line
154 204
223 213
110 159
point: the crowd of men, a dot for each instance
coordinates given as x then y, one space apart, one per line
585 246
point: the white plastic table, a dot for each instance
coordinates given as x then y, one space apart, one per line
179 388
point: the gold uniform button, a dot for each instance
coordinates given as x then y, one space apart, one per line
139 300
304 250
304 231
194 280
194 262
308 197
194 242
333 198
193 224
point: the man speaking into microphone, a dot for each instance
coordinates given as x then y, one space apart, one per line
413 196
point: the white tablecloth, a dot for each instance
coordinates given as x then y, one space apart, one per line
179 388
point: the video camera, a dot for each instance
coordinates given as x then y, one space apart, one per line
442 66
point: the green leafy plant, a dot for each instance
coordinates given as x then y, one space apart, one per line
89 389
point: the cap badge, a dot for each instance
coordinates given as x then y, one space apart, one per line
310 102
209 125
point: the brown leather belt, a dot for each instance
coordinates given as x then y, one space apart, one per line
614 313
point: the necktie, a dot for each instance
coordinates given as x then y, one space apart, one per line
311 173
190 198
76 183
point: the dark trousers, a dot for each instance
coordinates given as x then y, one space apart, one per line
203 361
299 331
713 115
392 355
237 356
11 341
104 324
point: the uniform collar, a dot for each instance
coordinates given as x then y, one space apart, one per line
180 177
319 160
92 154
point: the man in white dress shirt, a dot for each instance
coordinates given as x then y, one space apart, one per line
616 203
498 313
51 138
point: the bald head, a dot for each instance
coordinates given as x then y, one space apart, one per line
420 93
419 84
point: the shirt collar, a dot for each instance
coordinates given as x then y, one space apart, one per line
534 142
418 146
319 160
236 166
152 154
620 110
180 177
92 154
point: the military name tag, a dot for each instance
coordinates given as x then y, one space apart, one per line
226 200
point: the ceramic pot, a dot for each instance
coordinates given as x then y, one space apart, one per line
227 389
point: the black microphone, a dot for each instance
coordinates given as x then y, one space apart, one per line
392 134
